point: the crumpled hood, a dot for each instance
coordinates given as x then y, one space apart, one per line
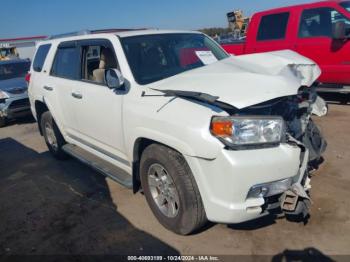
14 83
247 80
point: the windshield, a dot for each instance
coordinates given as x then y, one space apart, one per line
156 57
346 5
14 70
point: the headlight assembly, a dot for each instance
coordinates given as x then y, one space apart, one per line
240 131
3 95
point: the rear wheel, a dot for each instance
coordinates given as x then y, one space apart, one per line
171 190
53 137
2 121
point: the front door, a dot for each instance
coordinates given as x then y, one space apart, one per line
98 109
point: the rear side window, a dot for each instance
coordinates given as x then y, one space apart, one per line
40 57
320 22
273 27
67 63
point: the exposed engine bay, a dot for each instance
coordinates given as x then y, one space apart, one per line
296 112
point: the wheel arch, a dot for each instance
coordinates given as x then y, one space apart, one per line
140 145
40 109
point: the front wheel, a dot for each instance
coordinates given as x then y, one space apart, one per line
171 190
53 137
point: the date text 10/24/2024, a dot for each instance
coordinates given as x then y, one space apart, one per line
173 258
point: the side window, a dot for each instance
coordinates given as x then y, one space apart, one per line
273 27
96 60
67 63
320 22
40 57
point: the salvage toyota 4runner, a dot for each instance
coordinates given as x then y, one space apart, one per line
204 135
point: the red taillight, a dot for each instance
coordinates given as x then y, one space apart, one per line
27 78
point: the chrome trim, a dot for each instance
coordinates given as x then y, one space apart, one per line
100 150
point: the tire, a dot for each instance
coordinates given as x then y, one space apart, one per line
2 122
189 214
53 137
344 99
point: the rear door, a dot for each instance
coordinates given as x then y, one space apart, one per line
315 40
39 73
271 33
62 77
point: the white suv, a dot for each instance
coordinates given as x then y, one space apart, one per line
203 134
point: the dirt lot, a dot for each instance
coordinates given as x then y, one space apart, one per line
53 207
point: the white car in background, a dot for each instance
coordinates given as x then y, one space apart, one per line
205 135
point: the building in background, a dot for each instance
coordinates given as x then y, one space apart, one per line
23 47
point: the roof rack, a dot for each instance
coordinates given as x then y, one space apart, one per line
89 32
77 33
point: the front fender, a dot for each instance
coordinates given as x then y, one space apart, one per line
181 145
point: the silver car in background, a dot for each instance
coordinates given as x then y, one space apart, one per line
14 100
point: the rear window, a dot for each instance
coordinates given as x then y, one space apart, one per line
67 63
40 57
273 27
14 70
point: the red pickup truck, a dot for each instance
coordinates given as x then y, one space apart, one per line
320 31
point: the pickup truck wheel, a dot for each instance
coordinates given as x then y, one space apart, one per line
2 121
171 190
53 138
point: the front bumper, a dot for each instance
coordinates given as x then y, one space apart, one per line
15 106
224 182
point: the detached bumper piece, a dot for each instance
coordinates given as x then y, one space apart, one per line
294 203
294 206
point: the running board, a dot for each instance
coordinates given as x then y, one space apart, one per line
115 173
333 89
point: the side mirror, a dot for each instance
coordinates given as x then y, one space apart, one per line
114 79
339 32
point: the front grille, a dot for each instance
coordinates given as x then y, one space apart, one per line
19 103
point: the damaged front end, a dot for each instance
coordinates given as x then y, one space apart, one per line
301 132
263 105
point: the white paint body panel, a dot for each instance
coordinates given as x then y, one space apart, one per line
113 122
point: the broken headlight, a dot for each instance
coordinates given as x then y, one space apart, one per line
240 131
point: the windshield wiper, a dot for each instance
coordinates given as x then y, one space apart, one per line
189 94
197 96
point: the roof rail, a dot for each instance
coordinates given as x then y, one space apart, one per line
115 30
89 32
82 32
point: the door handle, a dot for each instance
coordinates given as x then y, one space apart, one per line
48 88
77 95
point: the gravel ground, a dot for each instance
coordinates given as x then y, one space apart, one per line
53 207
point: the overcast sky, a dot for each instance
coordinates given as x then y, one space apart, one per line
43 17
